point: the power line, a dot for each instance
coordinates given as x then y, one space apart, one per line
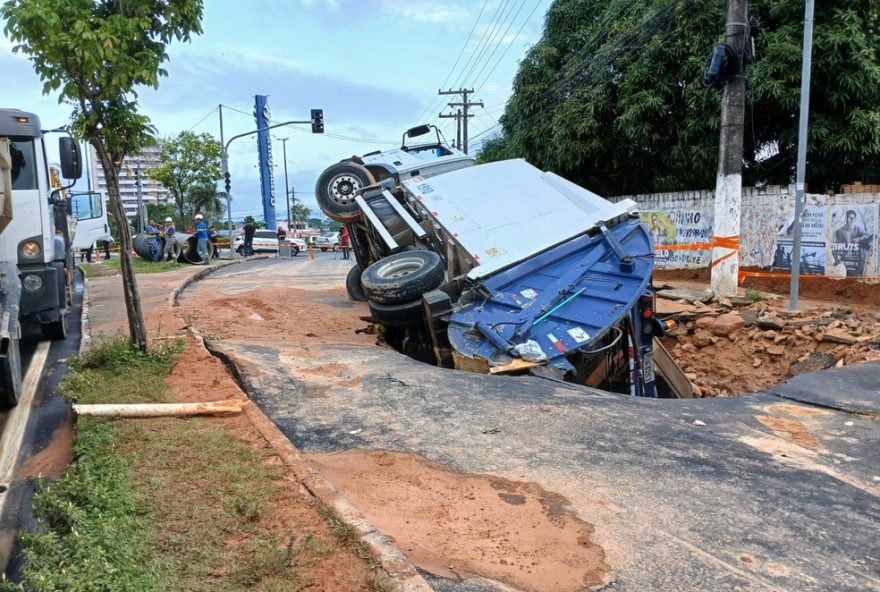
458 59
498 42
210 113
523 26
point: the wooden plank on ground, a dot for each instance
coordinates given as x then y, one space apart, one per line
664 364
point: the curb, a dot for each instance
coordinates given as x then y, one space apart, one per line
401 575
85 327
174 296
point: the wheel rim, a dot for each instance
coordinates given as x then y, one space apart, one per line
343 189
399 268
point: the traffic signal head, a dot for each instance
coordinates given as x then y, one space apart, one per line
317 121
227 181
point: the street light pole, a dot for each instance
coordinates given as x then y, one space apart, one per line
286 187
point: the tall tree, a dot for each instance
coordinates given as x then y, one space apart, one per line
299 213
612 95
189 166
96 54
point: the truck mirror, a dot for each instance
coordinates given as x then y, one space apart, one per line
420 130
71 158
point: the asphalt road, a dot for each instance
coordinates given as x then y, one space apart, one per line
44 415
778 490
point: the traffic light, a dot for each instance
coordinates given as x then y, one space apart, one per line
227 182
317 121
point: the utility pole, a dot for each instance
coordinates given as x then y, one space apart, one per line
806 67
140 199
465 105
457 117
728 185
286 187
228 189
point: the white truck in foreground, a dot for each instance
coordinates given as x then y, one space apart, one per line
498 267
36 261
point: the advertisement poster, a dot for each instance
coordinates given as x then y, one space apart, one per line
662 229
813 243
852 243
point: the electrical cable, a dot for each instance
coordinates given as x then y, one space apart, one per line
506 49
210 113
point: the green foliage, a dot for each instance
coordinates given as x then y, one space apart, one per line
612 95
93 535
754 295
256 223
141 265
190 168
95 54
299 212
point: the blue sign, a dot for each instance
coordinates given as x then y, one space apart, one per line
264 145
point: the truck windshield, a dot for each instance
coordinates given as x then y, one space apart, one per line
24 163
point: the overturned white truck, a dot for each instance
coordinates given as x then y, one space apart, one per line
498 267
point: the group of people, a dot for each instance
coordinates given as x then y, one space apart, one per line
164 245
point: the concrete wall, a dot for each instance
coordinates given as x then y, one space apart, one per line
765 237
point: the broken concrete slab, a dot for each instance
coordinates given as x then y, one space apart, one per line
771 322
689 294
815 361
840 336
727 324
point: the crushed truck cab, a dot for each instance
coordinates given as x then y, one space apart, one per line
505 268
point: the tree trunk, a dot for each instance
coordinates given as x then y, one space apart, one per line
137 329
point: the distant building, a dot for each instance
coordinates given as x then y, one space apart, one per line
152 191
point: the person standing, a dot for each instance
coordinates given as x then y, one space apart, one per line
214 239
152 230
106 240
249 230
345 243
169 251
202 238
281 234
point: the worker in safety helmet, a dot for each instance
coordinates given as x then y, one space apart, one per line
202 238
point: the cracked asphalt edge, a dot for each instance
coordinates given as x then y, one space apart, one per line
400 574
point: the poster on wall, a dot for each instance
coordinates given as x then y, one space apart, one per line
813 242
662 228
852 240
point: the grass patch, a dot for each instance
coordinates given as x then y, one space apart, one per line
754 295
143 266
162 504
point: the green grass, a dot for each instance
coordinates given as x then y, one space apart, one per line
161 504
754 295
141 265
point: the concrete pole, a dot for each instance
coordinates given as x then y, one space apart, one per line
286 185
806 67
728 185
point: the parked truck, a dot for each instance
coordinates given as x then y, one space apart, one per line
36 262
499 267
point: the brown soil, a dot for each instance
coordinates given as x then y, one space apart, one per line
303 317
754 357
458 525
51 461
791 430
818 288
198 376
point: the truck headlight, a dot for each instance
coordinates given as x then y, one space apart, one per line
32 282
30 249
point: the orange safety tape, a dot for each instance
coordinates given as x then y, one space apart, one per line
724 242
771 274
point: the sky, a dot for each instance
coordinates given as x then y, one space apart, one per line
373 66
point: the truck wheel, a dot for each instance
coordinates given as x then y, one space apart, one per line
56 330
408 314
10 376
353 285
403 277
337 187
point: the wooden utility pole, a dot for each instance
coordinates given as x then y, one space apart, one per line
465 105
728 186
457 117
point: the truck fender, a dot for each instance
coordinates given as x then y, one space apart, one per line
60 249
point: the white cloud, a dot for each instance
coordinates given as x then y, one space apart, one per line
427 11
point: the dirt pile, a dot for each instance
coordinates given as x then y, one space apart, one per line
736 346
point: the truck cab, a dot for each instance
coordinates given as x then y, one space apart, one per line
35 257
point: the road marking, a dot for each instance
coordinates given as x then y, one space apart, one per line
13 432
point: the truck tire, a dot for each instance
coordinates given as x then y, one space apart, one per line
56 330
408 314
402 277
353 285
337 187
10 376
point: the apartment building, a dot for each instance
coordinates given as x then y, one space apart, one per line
152 191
